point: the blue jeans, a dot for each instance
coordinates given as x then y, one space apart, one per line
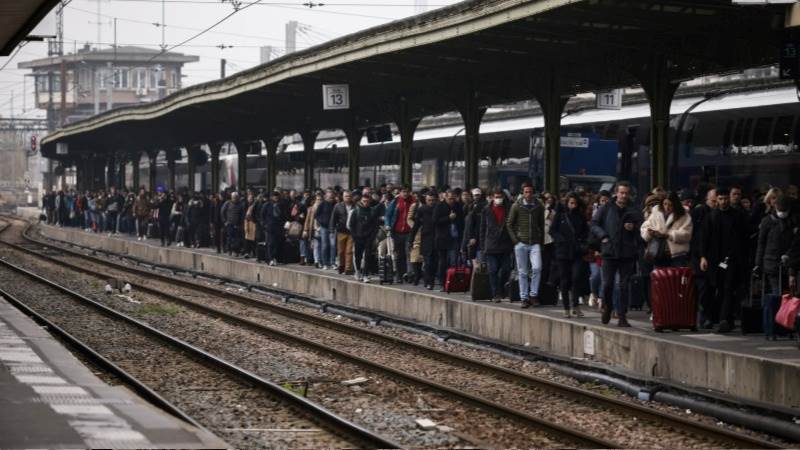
316 243
328 242
595 279
529 268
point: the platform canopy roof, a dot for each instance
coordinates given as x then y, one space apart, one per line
18 18
486 51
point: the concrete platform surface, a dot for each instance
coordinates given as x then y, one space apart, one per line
747 367
49 399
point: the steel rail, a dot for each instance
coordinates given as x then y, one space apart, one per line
582 395
318 413
573 436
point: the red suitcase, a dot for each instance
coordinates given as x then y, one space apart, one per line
457 279
673 299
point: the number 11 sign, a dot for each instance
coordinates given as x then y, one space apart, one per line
335 96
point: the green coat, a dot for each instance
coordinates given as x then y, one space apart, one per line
526 223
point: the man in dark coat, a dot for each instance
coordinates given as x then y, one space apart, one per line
363 224
425 225
699 215
272 221
616 225
232 215
495 242
723 249
775 237
449 218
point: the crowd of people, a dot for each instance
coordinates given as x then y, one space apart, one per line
582 248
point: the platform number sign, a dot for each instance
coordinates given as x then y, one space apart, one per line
789 63
335 96
609 99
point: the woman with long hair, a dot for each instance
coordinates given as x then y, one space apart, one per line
669 221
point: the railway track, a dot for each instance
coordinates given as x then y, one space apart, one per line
451 374
145 356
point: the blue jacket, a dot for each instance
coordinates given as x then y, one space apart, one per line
609 223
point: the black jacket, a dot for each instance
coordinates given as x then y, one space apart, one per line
444 239
323 213
774 240
272 218
472 227
569 231
339 218
364 222
609 222
493 238
724 236
423 222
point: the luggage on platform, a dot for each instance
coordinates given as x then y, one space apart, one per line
385 272
673 299
636 290
480 289
290 252
457 279
261 251
752 312
787 314
512 286
772 304
151 231
548 294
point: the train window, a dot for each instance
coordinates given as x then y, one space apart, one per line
761 132
738 132
727 138
782 134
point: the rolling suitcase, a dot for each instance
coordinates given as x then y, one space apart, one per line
290 252
771 304
673 299
479 286
752 312
512 287
457 279
385 272
261 251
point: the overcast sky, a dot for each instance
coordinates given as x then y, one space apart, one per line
252 27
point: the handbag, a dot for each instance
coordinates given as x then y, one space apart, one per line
583 249
657 250
787 314
294 230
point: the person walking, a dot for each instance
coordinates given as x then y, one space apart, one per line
340 218
775 237
396 221
232 216
617 226
363 224
449 218
723 250
495 242
425 225
570 233
671 223
163 207
526 227
273 221
141 211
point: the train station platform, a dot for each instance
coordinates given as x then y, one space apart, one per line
741 367
49 399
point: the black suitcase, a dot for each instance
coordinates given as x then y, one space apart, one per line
548 294
512 286
752 312
636 291
290 252
261 251
151 230
479 285
385 272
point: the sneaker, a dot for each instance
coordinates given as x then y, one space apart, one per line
576 312
497 299
592 300
725 327
567 314
623 322
525 303
366 279
535 301
273 263
357 276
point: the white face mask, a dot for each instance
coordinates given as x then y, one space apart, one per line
498 201
782 214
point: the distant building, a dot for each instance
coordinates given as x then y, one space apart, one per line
99 80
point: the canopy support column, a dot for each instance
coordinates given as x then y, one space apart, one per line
136 158
660 91
309 139
172 156
548 94
472 115
152 156
215 148
407 127
354 156
272 162
242 149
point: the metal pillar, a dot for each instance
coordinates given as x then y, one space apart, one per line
242 148
548 94
309 139
136 158
152 156
191 166
121 164
215 148
111 171
354 157
272 162
472 115
660 91
172 156
406 126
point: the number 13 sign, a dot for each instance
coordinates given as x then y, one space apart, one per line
335 96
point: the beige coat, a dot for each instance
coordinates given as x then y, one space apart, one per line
679 234
416 246
249 225
310 226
